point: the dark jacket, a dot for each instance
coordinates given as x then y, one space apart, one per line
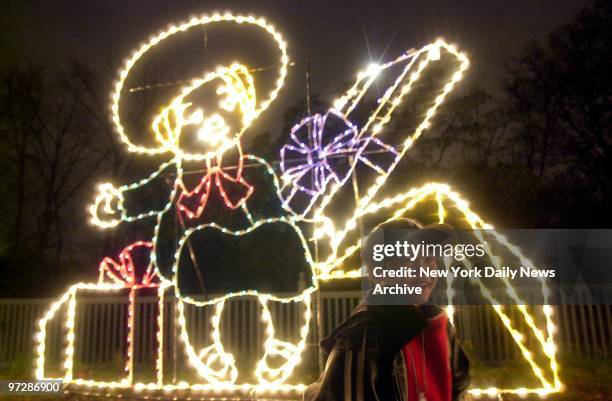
366 361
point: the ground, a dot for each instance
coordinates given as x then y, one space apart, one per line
584 379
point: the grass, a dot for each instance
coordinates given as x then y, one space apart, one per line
583 379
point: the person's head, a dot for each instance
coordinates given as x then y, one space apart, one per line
382 250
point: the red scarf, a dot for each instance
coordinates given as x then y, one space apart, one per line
431 375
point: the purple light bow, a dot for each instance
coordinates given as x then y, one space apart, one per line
310 161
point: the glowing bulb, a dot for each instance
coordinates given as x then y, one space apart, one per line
373 69
434 52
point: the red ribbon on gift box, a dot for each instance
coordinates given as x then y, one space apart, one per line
125 272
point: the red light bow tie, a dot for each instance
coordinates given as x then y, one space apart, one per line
234 190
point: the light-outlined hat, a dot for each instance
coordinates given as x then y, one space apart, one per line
257 104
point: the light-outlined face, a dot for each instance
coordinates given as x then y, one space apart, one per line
210 114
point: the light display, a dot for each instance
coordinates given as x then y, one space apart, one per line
323 152
311 161
232 91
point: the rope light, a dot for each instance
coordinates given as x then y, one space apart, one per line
313 172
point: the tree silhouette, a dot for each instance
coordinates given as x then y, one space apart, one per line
559 96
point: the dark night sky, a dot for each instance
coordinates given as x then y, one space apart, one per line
340 37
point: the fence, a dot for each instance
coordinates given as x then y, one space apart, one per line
101 326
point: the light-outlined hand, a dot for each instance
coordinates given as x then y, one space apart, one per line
106 208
